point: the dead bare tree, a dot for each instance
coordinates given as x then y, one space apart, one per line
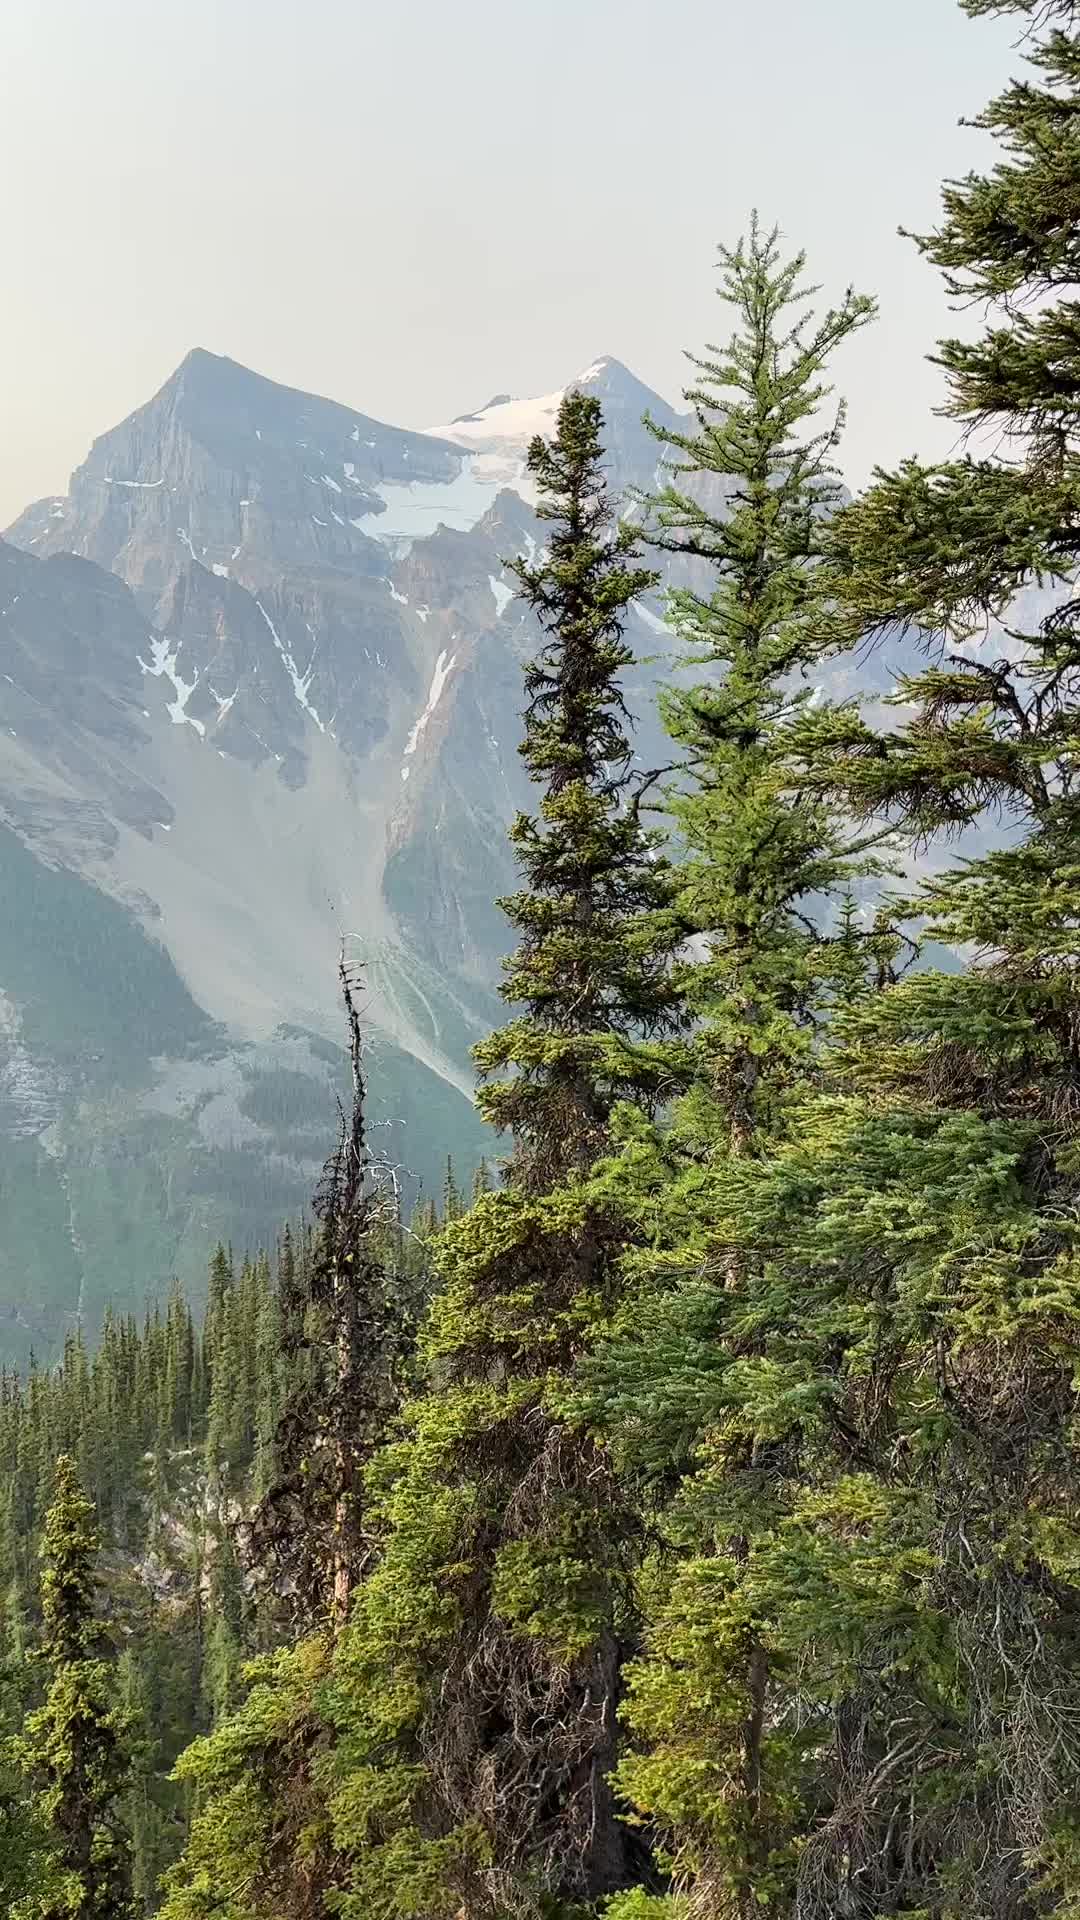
346 1335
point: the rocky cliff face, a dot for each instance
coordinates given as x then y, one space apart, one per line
260 679
330 664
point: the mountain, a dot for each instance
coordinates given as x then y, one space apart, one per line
260 688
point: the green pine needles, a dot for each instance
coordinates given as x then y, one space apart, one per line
483 1663
765 886
861 1693
73 1746
715 1551
597 929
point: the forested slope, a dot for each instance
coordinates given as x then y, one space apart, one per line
686 1526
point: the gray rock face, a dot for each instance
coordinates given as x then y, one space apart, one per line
72 719
260 688
327 608
247 519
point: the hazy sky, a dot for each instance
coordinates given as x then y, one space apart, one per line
413 204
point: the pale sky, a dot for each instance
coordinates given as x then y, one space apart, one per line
414 204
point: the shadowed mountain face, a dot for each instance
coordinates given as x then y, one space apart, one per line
260 686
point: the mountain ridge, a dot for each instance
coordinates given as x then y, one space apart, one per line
260 686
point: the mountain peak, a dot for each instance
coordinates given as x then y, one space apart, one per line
598 370
214 377
201 356
614 381
246 423
199 367
508 424
497 400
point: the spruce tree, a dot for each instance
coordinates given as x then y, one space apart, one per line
478 1683
73 1747
907 1382
596 932
762 854
451 1193
937 1200
769 866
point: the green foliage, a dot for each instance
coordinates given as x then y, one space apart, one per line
256 1842
595 920
173 1426
723 1555
480 1670
465 1728
72 1748
861 1672
948 1172
766 888
760 852
639 1905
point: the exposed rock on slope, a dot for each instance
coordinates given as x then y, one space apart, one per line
260 686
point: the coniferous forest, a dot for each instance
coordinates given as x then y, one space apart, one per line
681 1516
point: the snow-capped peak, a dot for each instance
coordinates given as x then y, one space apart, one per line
503 423
594 371
499 437
500 434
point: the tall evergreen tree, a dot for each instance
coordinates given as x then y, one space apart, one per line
73 1747
931 1209
906 1384
592 971
762 854
451 1194
764 888
478 1683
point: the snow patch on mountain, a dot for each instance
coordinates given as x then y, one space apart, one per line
163 664
504 421
652 619
502 432
300 682
503 594
443 668
415 508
